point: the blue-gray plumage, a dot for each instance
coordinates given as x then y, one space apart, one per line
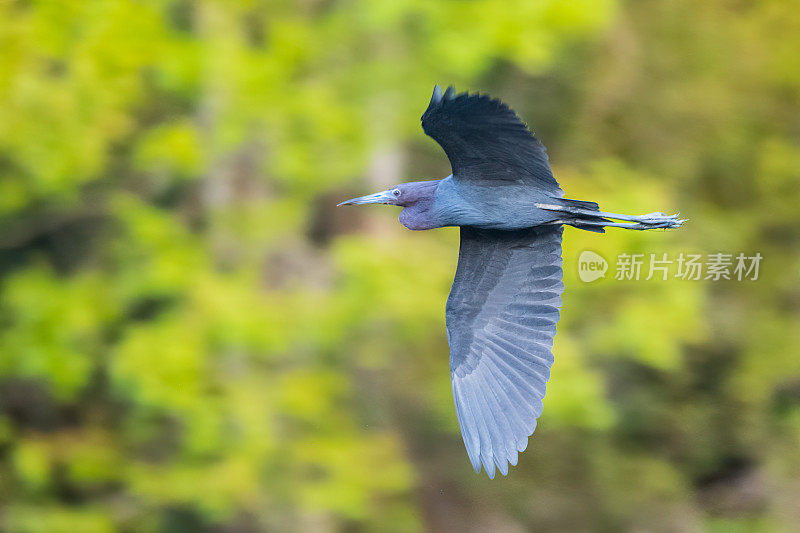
505 300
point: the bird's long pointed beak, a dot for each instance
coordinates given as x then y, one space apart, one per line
383 197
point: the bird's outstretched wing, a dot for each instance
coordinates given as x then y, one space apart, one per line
485 140
501 319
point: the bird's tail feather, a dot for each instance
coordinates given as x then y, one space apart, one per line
580 204
587 216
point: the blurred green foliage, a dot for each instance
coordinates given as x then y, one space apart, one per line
192 338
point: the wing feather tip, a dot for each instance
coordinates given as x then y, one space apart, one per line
476 462
489 468
502 465
437 94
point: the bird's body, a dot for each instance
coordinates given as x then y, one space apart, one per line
504 304
508 207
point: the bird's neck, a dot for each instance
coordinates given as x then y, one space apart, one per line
421 214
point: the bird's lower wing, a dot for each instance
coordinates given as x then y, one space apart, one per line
501 319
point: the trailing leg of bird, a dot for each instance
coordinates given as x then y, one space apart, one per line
581 224
648 221
593 219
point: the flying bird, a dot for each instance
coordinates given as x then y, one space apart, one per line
506 297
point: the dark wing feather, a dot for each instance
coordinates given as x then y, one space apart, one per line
485 140
501 319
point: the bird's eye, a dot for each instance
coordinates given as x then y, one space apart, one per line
396 192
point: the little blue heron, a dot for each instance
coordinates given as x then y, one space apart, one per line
504 304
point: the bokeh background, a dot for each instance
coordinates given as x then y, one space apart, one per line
193 338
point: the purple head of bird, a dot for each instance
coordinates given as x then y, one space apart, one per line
416 198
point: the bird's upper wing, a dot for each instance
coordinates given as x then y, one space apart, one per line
501 319
485 140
